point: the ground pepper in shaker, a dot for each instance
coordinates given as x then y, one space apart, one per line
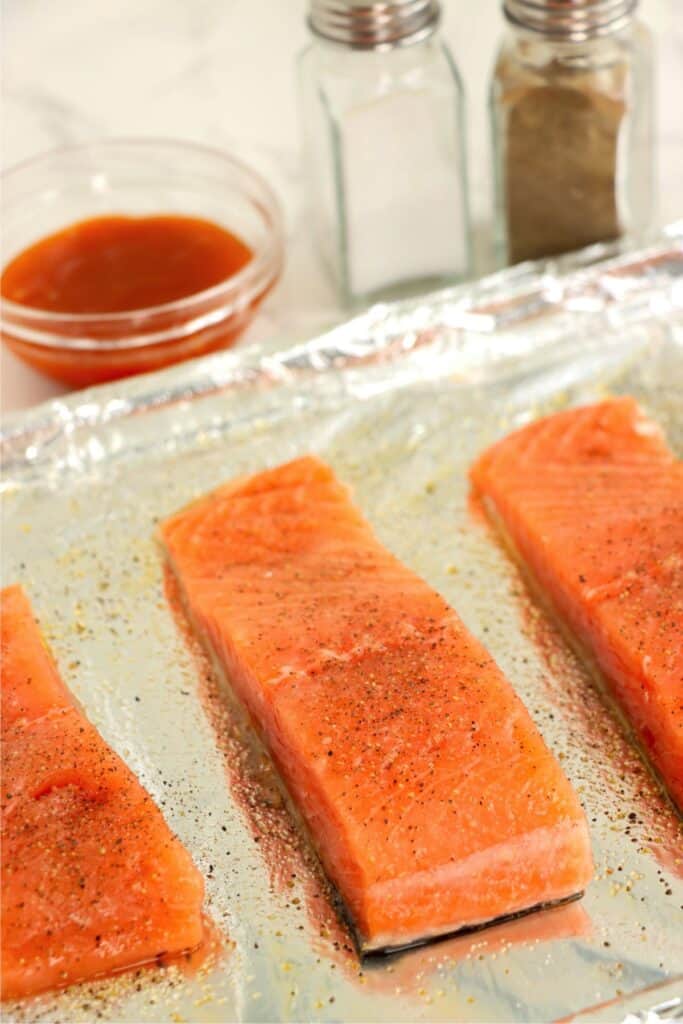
384 148
571 113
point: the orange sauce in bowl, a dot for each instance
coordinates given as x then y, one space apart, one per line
118 265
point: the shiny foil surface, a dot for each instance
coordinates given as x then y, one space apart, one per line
400 400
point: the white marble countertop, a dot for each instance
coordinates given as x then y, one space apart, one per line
222 72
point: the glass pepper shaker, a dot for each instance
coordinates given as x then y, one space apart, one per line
384 148
571 113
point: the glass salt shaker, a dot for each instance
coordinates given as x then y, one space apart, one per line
571 114
384 147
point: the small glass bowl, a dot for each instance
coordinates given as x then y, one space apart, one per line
137 177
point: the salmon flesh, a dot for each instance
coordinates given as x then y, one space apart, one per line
591 500
430 797
93 881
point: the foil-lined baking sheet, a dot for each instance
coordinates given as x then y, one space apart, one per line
399 400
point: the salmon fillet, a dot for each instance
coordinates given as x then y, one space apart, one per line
93 881
591 500
427 791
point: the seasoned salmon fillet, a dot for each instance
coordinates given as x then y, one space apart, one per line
93 881
427 791
591 500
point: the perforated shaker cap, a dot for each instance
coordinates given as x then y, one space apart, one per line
367 25
574 20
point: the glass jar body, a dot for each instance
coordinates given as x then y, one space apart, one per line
384 154
572 141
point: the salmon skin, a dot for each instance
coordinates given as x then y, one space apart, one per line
591 500
427 791
93 881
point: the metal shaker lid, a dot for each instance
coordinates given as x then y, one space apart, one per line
371 25
573 20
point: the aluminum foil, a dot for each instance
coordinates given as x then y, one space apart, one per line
399 400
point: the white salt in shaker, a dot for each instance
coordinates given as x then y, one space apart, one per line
384 146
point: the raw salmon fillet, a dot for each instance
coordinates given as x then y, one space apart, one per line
93 881
428 793
591 500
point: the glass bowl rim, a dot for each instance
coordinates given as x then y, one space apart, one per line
36 326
